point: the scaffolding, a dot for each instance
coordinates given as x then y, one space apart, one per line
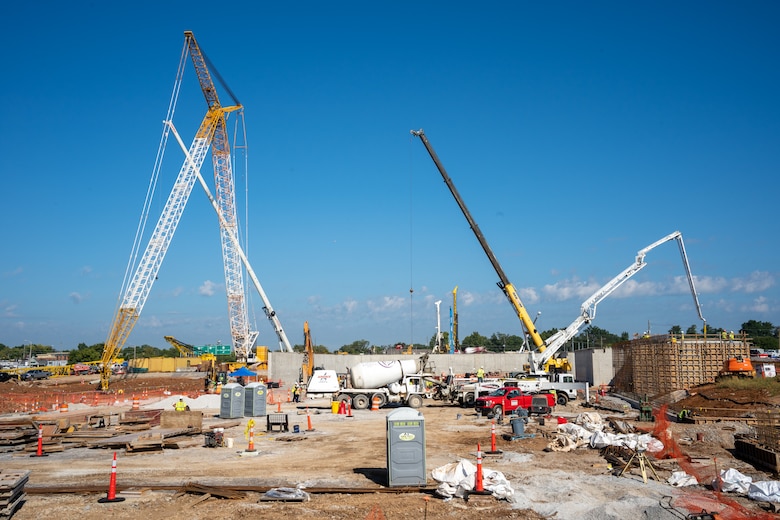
661 364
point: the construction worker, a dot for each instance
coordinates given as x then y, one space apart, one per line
297 393
731 337
723 335
480 374
180 405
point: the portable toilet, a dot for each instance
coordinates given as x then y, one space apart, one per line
406 448
255 395
231 403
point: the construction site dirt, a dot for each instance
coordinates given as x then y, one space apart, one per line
340 460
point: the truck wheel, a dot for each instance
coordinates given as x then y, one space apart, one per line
498 410
360 402
414 401
469 400
562 399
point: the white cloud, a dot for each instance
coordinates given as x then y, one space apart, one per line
568 289
208 288
76 297
350 305
760 304
757 281
9 311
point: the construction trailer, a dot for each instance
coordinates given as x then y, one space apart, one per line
661 364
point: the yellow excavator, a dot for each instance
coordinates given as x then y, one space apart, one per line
307 367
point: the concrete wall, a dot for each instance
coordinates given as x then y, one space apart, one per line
286 366
594 366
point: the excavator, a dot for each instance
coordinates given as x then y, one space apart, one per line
542 359
307 367
186 350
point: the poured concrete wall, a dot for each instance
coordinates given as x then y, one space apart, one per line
286 366
594 366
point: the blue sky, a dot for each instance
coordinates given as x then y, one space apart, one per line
577 133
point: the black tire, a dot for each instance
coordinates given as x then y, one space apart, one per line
360 402
469 400
498 410
562 399
414 401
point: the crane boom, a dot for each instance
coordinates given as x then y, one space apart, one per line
243 337
503 283
542 360
138 289
539 360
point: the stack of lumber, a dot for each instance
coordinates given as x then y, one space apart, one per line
12 491
15 432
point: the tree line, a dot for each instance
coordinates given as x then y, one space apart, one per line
763 333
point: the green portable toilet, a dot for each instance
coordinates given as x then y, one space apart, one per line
231 403
255 395
406 448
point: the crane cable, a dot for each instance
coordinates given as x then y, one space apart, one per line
151 189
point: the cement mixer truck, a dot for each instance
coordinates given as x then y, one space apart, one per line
398 381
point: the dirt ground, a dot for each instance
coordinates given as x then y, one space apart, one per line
349 454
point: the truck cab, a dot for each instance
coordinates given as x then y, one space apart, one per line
507 400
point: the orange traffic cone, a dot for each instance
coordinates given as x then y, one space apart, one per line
342 408
493 450
251 446
271 397
308 421
289 399
375 403
111 497
349 409
136 403
64 407
478 486
39 452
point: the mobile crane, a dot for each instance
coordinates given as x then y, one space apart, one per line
542 360
136 289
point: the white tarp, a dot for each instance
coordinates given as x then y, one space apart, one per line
681 479
765 491
456 479
732 480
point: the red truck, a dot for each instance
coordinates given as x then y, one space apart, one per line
507 399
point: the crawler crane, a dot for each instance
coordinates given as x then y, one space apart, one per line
212 133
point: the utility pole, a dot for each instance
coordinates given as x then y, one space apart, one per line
438 327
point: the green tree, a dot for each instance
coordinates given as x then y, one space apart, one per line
85 354
758 329
691 330
474 340
356 347
676 329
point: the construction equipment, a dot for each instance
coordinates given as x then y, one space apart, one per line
542 359
737 368
212 131
307 367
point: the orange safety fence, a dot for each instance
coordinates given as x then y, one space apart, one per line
48 400
694 501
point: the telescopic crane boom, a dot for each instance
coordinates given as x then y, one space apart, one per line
503 283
